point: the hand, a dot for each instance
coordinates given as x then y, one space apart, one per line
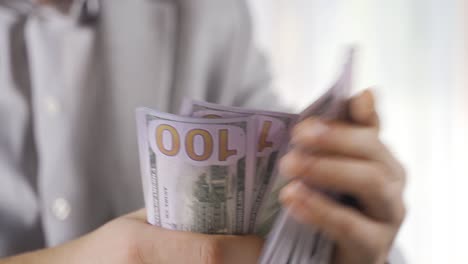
139 242
130 240
346 158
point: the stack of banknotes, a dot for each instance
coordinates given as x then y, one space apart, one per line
214 169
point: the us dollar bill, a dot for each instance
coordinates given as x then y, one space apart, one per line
271 137
196 172
331 105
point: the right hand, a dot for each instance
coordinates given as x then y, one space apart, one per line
131 240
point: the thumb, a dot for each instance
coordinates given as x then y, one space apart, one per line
159 245
241 249
362 109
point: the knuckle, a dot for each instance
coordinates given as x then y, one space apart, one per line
395 168
347 229
310 130
401 172
374 248
376 145
211 251
336 222
388 194
314 164
376 183
135 254
287 166
131 249
401 213
293 165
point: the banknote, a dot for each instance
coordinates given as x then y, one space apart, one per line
272 133
196 172
331 105
214 169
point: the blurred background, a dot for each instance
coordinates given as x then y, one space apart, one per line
414 53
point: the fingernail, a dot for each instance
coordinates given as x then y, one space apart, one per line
295 190
285 165
315 130
293 164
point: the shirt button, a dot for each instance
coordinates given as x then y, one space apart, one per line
52 105
61 209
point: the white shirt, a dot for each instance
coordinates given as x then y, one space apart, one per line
68 91
51 50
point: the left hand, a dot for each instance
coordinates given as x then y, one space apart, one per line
346 158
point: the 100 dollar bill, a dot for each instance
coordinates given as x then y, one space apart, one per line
271 137
196 172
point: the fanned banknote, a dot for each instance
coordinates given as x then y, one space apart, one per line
214 170
331 105
196 171
272 133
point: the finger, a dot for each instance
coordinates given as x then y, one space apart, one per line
196 248
339 138
365 180
340 223
363 111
